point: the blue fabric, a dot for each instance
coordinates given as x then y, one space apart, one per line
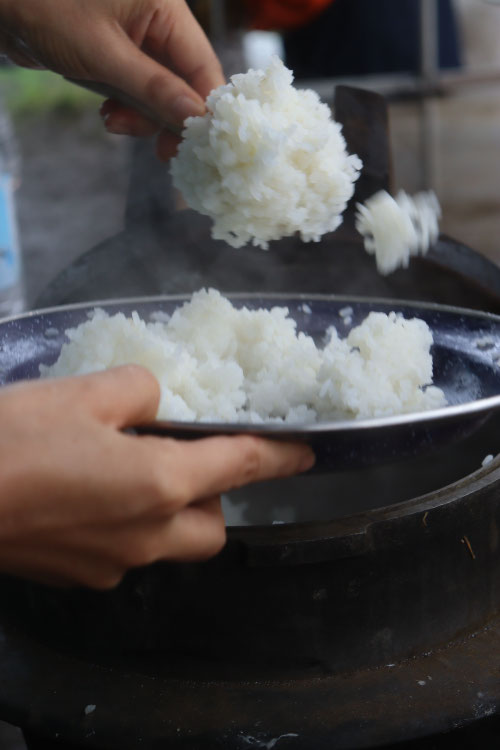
9 249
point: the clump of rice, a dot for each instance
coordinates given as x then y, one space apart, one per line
265 161
218 363
394 229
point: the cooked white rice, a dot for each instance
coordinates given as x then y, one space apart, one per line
394 229
266 161
217 363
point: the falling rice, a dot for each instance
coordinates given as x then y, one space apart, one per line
394 229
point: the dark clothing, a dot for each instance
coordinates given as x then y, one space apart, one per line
359 37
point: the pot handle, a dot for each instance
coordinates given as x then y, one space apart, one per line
365 126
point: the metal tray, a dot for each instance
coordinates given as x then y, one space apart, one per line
466 355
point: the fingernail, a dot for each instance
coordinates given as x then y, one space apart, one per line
184 107
307 462
116 126
105 109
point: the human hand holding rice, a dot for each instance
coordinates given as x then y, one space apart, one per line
267 161
153 52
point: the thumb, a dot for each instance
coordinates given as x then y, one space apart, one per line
123 396
157 90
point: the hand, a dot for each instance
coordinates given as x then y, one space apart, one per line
81 501
153 50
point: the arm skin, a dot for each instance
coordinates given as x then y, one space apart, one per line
81 501
153 50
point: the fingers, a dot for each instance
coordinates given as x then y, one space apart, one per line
99 558
195 533
166 145
123 397
121 120
182 45
175 69
209 467
159 90
60 567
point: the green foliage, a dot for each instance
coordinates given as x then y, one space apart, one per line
35 92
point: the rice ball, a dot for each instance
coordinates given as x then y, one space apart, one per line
265 161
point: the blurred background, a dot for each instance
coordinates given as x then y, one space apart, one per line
437 61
